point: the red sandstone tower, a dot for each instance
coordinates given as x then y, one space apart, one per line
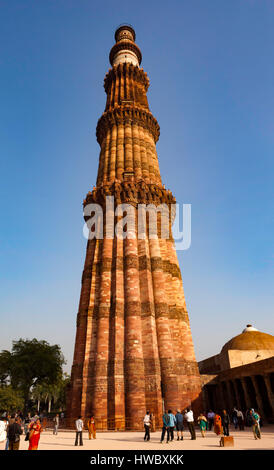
133 349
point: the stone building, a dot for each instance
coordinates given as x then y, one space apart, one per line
242 375
133 349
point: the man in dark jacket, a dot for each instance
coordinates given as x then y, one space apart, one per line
225 423
166 427
13 433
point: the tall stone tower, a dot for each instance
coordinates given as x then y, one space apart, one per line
133 349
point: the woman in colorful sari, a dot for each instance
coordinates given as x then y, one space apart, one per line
202 423
91 428
218 424
35 430
256 424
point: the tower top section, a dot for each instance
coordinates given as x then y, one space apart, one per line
125 49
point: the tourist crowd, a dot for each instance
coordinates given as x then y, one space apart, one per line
13 426
220 422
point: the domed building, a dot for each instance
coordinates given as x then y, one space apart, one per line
242 374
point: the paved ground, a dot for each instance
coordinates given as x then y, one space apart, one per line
244 440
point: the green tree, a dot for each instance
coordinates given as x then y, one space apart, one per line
5 364
39 393
10 400
51 394
30 363
63 391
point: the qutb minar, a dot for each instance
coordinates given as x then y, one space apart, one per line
133 350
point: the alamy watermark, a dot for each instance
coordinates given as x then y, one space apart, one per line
141 222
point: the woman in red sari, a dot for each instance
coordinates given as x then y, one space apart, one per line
35 430
218 429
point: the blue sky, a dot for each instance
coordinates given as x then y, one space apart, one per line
211 69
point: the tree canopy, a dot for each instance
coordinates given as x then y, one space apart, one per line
10 399
30 363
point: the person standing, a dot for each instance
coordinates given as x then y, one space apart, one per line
152 421
248 418
190 423
6 424
235 417
225 423
179 424
210 419
27 421
36 416
240 418
35 430
56 424
165 428
147 426
79 431
218 424
13 433
91 428
172 423
3 432
202 423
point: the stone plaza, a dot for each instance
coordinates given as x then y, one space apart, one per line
243 440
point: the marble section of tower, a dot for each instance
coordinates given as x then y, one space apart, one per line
133 348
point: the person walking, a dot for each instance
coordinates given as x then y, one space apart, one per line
147 424
256 424
165 428
190 423
202 423
225 422
56 421
79 431
13 433
172 423
91 428
210 419
179 424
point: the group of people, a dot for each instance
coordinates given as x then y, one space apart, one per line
12 426
171 423
219 421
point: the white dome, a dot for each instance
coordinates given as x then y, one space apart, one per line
249 328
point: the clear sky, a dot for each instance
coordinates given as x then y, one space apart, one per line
211 69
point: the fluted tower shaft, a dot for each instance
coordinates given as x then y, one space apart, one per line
133 349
